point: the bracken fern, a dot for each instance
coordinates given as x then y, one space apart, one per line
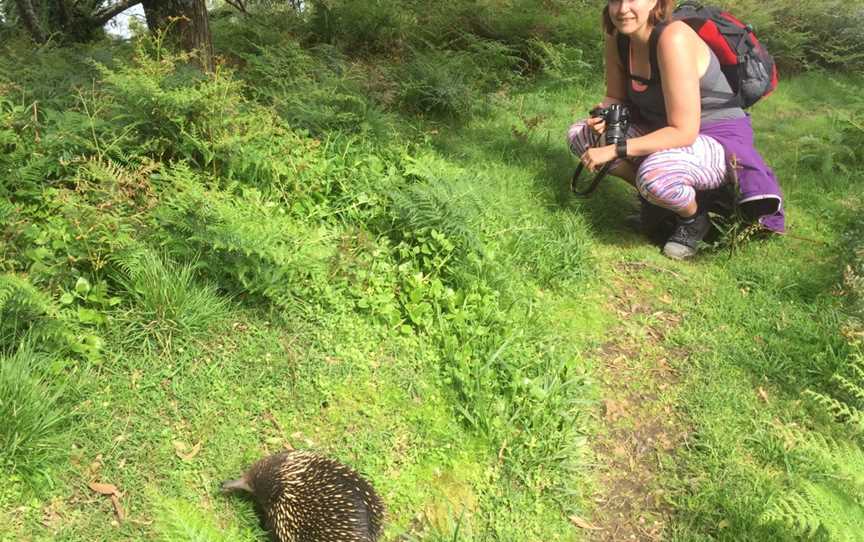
178 520
246 239
436 203
24 310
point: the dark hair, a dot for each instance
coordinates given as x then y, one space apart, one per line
661 12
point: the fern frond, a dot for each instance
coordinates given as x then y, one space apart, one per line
847 406
7 211
178 520
27 312
18 295
439 206
797 510
132 259
854 389
836 409
250 240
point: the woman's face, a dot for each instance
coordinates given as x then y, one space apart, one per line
629 16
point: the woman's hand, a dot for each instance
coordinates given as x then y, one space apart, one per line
595 157
597 123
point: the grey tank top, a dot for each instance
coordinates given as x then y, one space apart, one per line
717 96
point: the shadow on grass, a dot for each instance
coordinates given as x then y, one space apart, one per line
550 167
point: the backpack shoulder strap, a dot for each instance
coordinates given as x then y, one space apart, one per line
653 42
623 52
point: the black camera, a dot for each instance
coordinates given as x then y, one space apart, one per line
617 119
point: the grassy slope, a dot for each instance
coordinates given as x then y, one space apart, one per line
374 397
166 428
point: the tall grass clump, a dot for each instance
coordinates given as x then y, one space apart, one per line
167 301
32 417
556 253
841 399
513 382
808 479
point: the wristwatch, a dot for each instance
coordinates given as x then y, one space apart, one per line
621 148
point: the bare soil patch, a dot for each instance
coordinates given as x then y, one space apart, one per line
640 426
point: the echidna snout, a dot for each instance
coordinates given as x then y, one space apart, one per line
305 496
240 484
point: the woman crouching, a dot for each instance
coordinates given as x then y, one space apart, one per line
686 118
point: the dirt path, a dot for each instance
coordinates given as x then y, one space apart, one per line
640 427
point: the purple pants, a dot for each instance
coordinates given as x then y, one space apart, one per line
667 178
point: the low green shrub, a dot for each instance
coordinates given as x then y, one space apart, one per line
316 90
807 35
560 61
243 239
376 26
439 81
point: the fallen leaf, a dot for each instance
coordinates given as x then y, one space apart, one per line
582 524
614 409
115 500
111 491
762 394
51 517
103 489
180 448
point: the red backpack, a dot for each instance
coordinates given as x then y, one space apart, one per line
748 67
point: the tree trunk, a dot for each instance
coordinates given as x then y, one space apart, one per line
196 35
157 12
31 22
191 30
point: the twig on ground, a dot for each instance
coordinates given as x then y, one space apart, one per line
649 266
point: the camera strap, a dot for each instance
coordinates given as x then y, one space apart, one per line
597 177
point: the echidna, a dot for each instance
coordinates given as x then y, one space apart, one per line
309 498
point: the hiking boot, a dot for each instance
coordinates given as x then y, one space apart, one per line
684 241
655 222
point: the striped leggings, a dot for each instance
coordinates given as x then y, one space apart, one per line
667 178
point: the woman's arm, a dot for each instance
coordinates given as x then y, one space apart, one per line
678 52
